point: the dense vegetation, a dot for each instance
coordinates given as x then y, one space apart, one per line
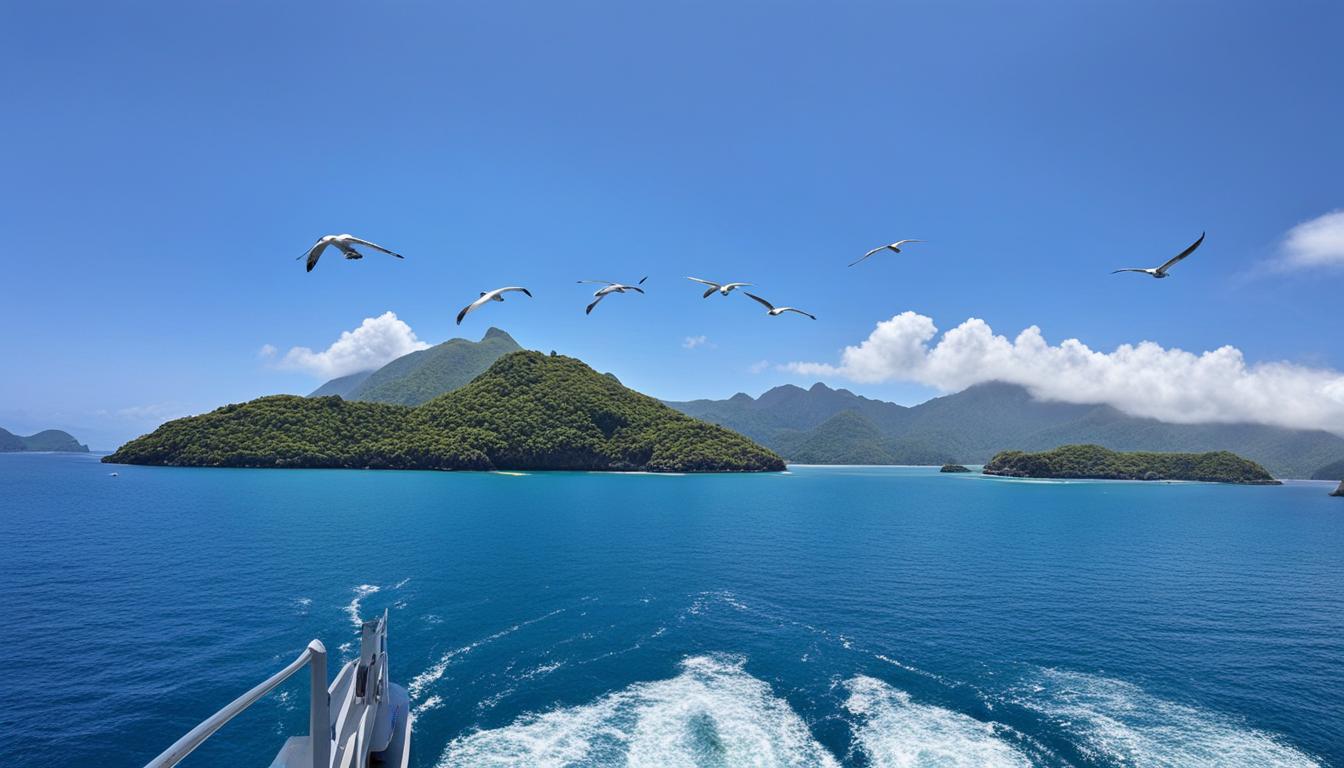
528 411
953 468
1096 462
421 376
969 427
46 440
1333 471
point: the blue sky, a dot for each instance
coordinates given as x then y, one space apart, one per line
165 162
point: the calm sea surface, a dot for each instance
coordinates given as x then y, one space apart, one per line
828 616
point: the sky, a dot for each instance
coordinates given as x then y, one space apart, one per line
162 165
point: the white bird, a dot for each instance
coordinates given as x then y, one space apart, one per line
724 288
1161 271
346 243
611 288
777 311
893 247
488 296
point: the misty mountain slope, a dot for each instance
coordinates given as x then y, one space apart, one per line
805 425
421 376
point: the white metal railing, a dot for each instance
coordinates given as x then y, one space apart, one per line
319 707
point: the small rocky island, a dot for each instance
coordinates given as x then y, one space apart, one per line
1097 463
528 411
953 468
1338 491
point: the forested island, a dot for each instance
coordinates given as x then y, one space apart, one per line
528 411
1098 463
953 468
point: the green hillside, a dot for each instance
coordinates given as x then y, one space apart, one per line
46 440
971 426
422 376
341 386
527 412
1096 462
1332 471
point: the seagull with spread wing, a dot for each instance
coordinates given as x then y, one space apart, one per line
346 244
489 296
723 288
893 247
774 311
610 288
1161 272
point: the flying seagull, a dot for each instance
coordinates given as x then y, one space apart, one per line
1161 271
487 296
776 311
346 243
610 288
894 248
724 288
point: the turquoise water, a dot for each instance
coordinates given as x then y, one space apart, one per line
829 616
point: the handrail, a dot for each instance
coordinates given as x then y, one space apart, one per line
318 721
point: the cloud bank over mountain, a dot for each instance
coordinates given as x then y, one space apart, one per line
1143 379
376 342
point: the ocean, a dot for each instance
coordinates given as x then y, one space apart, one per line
854 616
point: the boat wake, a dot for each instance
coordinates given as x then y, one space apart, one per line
715 713
712 713
892 730
1114 722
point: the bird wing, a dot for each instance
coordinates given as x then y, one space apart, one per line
589 310
795 309
473 305
706 282
374 246
1177 258
731 286
599 282
899 243
709 292
635 288
760 301
866 255
498 291
642 279
1129 269
314 254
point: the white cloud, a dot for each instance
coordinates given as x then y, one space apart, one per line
267 351
759 366
691 342
1142 379
1316 243
376 342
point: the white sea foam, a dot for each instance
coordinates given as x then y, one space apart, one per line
894 731
303 604
712 713
401 583
1113 721
433 702
422 681
361 592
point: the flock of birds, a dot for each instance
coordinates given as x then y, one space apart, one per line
346 245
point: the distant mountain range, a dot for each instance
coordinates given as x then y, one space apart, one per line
422 376
821 425
46 440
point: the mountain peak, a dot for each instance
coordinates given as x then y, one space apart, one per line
496 333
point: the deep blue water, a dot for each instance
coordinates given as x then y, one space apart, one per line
853 616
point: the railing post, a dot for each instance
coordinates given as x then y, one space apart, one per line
319 708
